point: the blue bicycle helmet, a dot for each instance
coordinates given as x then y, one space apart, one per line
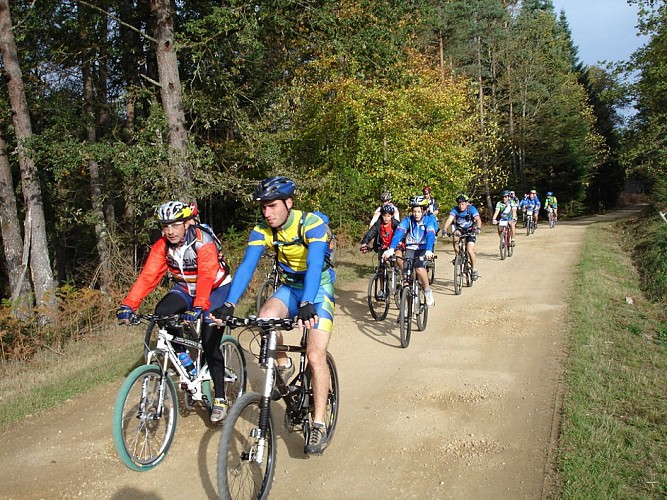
387 209
506 193
386 196
274 188
550 193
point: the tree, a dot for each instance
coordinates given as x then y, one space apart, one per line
40 264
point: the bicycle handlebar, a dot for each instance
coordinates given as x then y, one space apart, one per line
283 323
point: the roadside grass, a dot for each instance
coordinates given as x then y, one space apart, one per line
613 441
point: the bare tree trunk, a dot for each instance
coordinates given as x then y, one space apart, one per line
40 265
12 242
482 127
170 92
97 208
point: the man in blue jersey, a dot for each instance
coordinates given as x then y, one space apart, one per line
466 224
533 205
418 233
301 241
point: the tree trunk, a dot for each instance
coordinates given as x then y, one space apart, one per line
97 208
12 242
170 92
40 265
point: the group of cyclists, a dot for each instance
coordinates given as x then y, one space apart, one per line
204 289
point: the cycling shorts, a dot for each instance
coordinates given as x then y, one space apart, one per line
469 236
413 254
324 303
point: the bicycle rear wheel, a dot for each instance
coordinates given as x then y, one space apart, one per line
421 309
467 270
458 274
141 433
405 316
508 243
235 368
246 465
267 289
378 307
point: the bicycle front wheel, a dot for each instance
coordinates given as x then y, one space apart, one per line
503 247
235 368
467 270
508 243
421 309
431 271
528 225
379 307
405 316
267 289
246 463
458 274
142 429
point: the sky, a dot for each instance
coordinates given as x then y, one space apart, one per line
603 30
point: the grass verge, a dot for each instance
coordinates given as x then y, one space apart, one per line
613 440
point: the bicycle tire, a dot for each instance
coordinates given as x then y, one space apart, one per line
405 316
421 308
397 281
528 224
141 440
467 267
503 248
378 308
431 271
532 226
552 221
239 475
458 275
333 398
508 242
267 289
236 376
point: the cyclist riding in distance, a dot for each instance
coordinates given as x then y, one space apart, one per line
380 234
307 289
432 209
506 209
514 199
533 203
466 224
190 254
418 233
385 199
552 202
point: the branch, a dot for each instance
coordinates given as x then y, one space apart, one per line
147 37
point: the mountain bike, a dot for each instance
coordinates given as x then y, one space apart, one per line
247 451
271 283
383 285
551 217
146 410
530 223
413 301
506 248
462 265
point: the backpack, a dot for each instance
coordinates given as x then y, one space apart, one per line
209 230
330 259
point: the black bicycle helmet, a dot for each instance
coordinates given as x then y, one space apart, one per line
385 196
387 209
461 198
274 188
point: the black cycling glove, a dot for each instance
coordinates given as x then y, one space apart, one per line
224 311
306 311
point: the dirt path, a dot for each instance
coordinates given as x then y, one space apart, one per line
469 410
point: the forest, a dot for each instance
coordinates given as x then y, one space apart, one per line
112 107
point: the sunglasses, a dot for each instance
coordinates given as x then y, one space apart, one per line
173 225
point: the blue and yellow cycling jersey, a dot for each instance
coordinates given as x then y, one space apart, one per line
550 201
301 250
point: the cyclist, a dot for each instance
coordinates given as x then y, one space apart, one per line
533 203
514 199
506 209
466 224
189 252
307 290
418 231
380 235
432 209
522 207
551 201
385 199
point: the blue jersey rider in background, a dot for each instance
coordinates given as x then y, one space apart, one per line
432 209
466 224
552 202
418 233
307 290
533 205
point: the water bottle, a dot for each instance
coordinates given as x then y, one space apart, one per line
186 361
